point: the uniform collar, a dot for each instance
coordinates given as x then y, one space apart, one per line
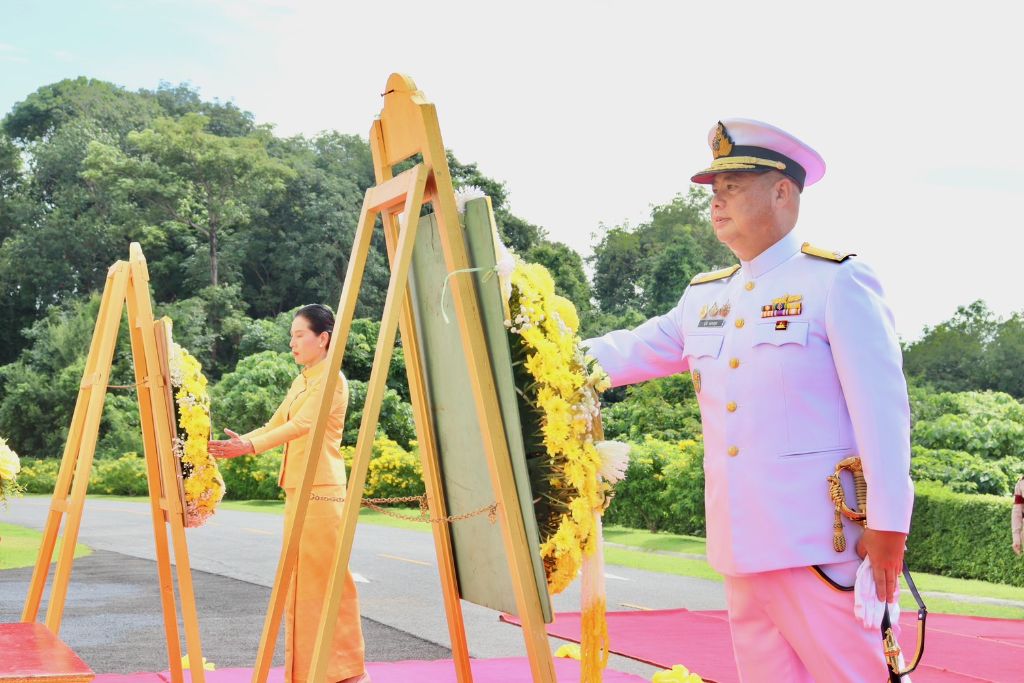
316 370
773 256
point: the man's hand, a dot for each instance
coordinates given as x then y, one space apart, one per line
232 448
885 548
1016 546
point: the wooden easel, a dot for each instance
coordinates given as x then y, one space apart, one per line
127 283
408 126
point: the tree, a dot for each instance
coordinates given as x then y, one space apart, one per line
299 252
951 356
648 266
110 107
178 173
1005 357
38 391
247 397
566 268
515 232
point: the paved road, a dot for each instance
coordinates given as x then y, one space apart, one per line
395 568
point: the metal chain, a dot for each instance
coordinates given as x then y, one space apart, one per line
424 517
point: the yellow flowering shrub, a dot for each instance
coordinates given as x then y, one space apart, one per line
393 471
10 466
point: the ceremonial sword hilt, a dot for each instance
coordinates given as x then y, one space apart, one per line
854 466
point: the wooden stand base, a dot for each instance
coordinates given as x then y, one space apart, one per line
41 656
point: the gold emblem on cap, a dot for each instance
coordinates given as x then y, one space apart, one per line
721 146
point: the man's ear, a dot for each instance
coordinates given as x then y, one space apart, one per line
784 190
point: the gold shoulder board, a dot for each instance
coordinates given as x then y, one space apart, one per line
702 278
818 252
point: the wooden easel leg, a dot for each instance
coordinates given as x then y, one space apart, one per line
292 533
143 378
397 288
77 458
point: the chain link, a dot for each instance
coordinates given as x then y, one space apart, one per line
424 517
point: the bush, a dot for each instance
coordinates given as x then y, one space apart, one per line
247 397
395 421
664 409
252 477
961 472
393 471
124 476
962 535
663 489
39 475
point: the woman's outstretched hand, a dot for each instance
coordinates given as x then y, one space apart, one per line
232 448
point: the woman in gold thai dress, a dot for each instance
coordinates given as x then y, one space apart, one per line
310 338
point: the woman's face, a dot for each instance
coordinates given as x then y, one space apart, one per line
307 346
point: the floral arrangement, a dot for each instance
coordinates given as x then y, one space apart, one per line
204 486
571 471
10 465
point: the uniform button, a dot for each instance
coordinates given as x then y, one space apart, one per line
749 286
731 406
739 322
733 451
734 363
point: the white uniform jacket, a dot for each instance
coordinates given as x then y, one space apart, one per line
784 395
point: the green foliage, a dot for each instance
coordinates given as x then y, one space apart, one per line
566 268
663 489
960 471
247 397
972 350
961 535
664 409
53 106
396 421
39 475
265 335
38 391
647 267
123 476
252 477
394 472
985 424
520 235
211 326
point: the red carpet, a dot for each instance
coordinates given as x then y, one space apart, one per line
957 649
439 671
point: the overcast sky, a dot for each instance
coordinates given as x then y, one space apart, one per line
593 111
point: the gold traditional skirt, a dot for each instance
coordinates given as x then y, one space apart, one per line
307 593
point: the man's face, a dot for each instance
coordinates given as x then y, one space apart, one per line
741 207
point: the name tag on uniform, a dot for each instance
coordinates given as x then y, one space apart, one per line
717 322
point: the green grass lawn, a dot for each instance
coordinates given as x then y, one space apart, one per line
648 551
19 546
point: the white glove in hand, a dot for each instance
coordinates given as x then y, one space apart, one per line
866 605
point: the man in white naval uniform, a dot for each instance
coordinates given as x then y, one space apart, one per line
796 365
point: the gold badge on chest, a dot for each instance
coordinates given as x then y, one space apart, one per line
787 305
714 315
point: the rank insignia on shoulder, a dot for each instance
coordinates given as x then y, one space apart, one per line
790 304
818 252
703 278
